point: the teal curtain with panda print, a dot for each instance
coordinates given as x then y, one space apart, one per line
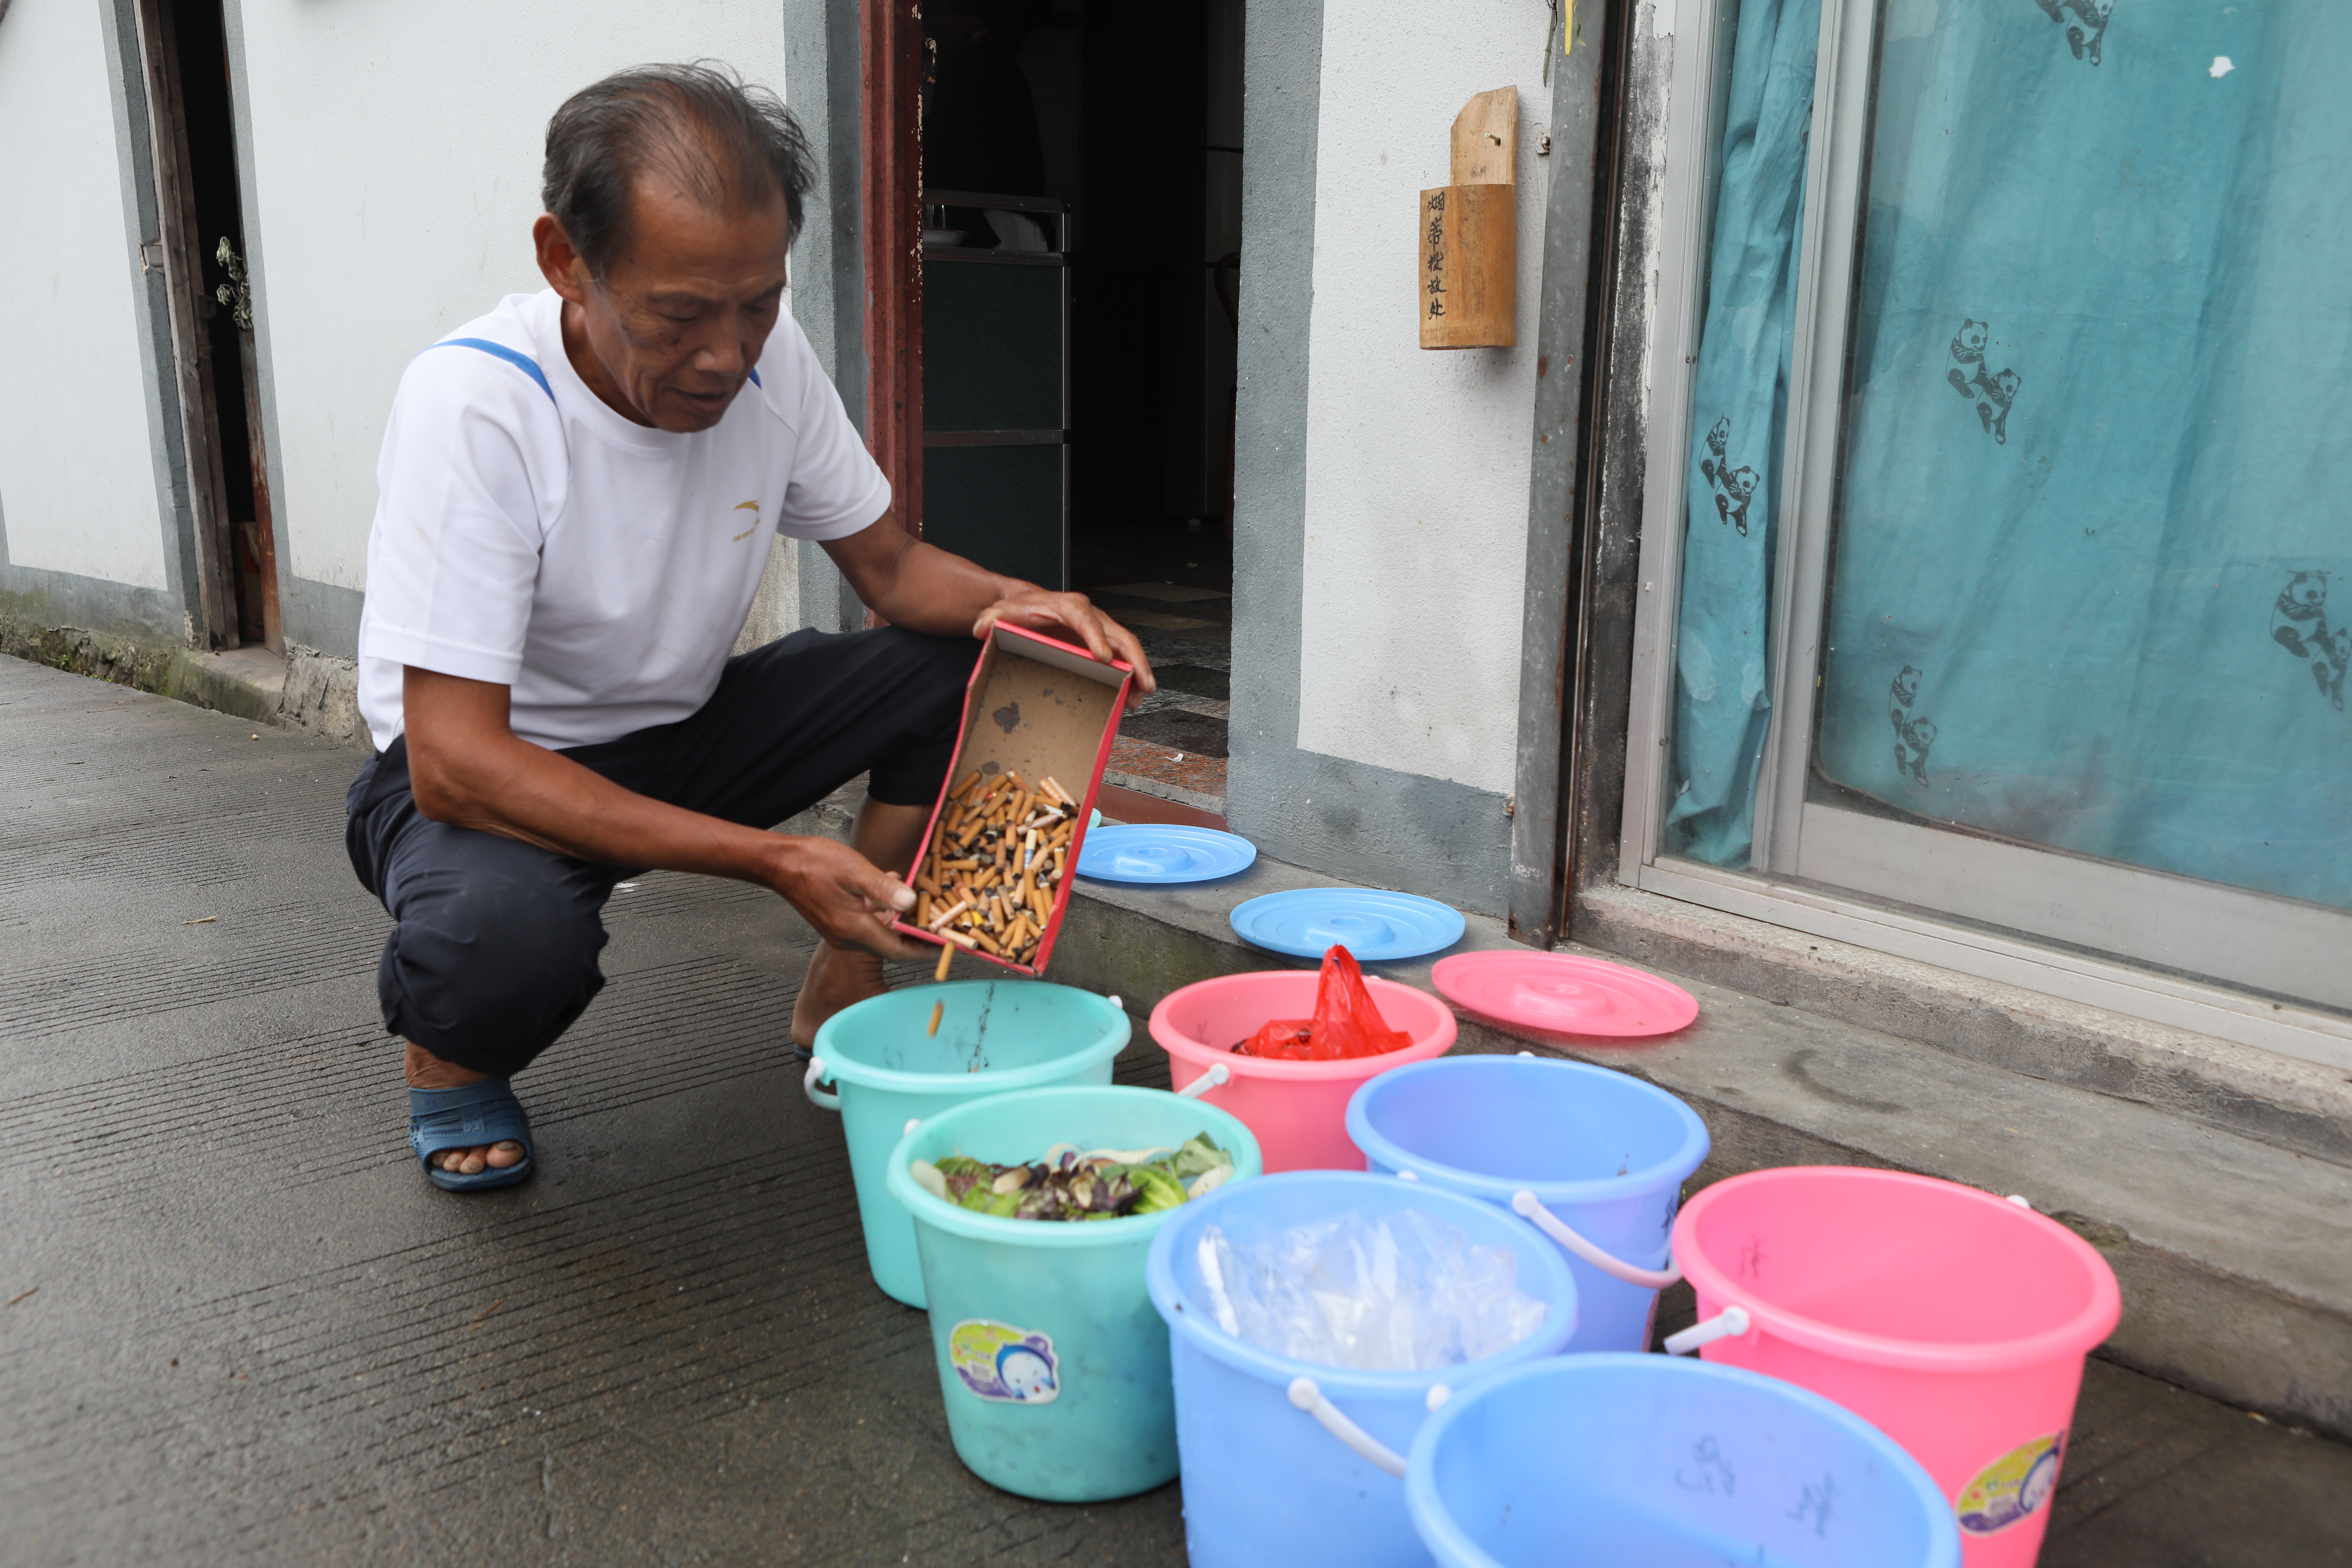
2090 580
1740 408
2091 567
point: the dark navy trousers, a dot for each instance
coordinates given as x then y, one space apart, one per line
494 949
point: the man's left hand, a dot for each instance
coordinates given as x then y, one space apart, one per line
1039 609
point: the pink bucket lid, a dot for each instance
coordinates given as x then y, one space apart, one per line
1560 994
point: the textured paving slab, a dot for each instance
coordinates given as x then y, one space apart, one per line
253 1333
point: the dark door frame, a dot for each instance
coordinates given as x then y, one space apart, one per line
1572 706
214 616
891 43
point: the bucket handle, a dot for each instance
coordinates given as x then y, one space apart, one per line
1217 1077
1308 1396
1730 1323
818 1097
1528 1207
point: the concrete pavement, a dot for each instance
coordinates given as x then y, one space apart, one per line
241 1325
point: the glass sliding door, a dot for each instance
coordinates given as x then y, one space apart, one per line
2061 606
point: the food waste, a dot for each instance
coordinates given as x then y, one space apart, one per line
997 861
1067 1184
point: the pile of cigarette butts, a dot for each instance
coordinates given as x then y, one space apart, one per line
997 859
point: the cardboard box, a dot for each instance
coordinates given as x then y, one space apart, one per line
1039 708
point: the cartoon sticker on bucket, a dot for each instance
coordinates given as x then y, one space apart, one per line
2014 1488
1001 1362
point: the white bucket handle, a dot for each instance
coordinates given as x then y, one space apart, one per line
1528 1207
1217 1077
818 1097
1727 1324
1307 1396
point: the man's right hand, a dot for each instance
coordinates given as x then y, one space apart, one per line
839 891
467 768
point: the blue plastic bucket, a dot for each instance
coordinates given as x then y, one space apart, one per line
1587 1154
1054 1366
1669 1464
995 1035
1262 1484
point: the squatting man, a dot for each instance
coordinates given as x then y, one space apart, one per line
576 496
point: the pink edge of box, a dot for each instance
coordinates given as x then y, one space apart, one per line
997 634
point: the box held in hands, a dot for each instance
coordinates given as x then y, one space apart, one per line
996 862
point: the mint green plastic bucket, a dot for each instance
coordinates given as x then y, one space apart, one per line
1051 1356
995 1035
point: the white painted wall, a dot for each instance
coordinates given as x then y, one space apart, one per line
76 460
1416 460
396 154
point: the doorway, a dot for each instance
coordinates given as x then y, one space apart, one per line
201 218
1079 308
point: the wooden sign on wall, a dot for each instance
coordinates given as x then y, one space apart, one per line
1469 232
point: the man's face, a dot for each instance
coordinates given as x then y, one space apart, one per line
677 321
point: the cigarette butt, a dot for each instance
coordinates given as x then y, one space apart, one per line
964 788
922 909
936 921
939 1007
986 944
1017 781
958 938
939 976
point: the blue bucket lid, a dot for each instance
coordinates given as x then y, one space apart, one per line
1162 852
1369 923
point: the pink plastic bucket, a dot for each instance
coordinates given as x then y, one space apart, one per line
1298 1110
1953 1321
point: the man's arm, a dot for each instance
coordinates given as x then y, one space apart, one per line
467 768
923 588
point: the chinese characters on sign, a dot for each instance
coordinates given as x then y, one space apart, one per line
1436 267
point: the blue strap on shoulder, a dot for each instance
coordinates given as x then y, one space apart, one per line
521 362
755 377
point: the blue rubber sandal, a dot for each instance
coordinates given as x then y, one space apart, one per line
468 1117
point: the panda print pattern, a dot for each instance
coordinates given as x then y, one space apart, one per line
1734 488
2087 29
1972 378
2299 625
1913 736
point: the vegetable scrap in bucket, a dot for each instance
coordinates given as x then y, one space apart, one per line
996 863
1344 1025
1101 1183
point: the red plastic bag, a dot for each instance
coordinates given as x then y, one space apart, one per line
1344 1025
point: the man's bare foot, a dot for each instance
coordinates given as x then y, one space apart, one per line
426 1070
837 976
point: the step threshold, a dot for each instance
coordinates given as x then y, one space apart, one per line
2235 1252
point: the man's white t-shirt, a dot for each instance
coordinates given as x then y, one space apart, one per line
528 535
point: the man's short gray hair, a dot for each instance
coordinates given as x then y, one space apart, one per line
729 145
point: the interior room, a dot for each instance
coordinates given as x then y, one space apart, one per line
1082 269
